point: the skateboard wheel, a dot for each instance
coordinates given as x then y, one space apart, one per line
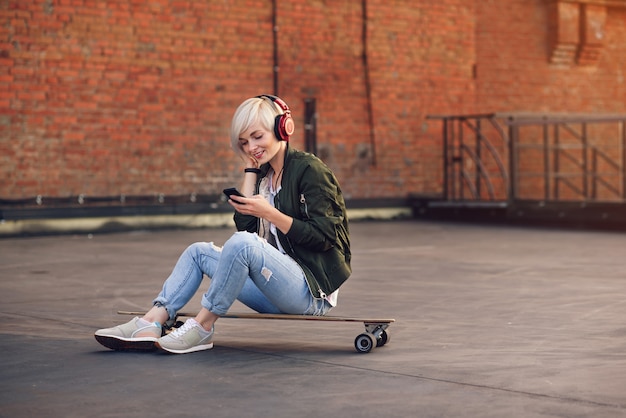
364 343
383 339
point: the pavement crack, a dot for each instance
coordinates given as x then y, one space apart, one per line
449 381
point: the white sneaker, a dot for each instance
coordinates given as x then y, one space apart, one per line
126 336
189 338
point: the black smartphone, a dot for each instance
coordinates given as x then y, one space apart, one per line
232 191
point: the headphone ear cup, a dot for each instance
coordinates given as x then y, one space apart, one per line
277 131
284 126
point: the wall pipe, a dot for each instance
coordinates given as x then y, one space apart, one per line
368 86
275 44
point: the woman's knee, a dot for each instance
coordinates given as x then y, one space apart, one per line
201 248
242 239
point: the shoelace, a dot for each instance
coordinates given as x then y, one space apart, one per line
178 332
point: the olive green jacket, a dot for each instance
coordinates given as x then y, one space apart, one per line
318 239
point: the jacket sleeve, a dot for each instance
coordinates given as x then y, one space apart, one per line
321 207
245 222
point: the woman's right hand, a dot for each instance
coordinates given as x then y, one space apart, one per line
250 162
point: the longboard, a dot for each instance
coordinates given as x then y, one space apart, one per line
375 335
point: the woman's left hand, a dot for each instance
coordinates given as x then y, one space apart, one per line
253 206
261 208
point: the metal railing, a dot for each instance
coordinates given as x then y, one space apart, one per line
526 156
474 158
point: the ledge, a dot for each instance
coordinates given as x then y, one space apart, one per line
35 221
607 216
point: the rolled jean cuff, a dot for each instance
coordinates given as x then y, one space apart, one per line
160 302
212 308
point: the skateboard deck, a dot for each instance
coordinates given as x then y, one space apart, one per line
375 335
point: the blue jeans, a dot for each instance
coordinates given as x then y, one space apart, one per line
248 269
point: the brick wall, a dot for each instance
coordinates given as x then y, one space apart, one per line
514 70
128 97
133 97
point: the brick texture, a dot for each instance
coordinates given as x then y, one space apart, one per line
132 97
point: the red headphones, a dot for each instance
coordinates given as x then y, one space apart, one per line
283 124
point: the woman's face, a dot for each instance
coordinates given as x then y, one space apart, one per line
259 143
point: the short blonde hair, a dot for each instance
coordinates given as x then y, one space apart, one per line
254 110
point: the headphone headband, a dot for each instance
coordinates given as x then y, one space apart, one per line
283 124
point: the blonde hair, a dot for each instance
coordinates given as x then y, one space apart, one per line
254 110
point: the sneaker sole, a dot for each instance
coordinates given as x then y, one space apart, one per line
193 349
115 343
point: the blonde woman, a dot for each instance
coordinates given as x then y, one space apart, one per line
291 252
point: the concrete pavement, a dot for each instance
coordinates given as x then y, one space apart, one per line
491 322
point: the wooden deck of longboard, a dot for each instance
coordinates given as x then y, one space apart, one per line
284 317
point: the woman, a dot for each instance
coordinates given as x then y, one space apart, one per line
291 252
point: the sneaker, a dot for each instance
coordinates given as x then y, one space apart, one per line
189 338
125 336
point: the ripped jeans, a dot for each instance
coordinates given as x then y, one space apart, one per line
246 268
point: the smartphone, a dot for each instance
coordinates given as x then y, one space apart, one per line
232 191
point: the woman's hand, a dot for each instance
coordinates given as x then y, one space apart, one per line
261 208
250 162
253 206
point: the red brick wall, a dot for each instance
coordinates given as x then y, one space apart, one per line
133 97
513 69
125 97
